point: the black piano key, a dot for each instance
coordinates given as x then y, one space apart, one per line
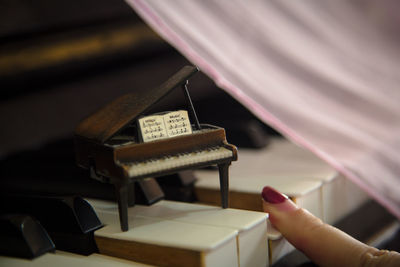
148 191
51 171
70 213
70 221
24 237
182 178
178 186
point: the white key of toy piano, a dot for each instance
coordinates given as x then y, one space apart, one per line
175 161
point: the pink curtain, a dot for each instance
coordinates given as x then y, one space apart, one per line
323 73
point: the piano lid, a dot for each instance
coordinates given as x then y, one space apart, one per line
110 119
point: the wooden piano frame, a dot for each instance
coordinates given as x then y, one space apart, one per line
108 162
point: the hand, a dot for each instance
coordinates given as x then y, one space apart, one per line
322 243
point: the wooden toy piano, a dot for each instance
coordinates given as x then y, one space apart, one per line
120 144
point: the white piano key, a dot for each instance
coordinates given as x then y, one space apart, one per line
154 241
116 261
341 197
252 184
294 171
65 259
251 226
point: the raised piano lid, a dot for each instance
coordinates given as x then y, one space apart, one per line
112 118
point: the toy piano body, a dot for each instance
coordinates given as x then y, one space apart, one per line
118 147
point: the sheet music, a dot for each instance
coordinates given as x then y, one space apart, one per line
160 126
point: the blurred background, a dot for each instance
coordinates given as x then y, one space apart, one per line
60 61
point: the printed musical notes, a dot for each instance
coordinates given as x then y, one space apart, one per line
165 125
152 128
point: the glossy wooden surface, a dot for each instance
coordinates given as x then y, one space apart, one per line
110 119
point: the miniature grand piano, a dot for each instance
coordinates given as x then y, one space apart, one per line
111 145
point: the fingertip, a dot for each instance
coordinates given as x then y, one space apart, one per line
272 195
275 201
308 233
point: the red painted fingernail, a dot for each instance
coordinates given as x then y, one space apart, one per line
272 196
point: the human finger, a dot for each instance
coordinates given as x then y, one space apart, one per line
322 243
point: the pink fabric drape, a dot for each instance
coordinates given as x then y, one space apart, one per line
317 71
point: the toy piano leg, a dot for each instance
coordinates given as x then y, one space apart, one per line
122 198
224 183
